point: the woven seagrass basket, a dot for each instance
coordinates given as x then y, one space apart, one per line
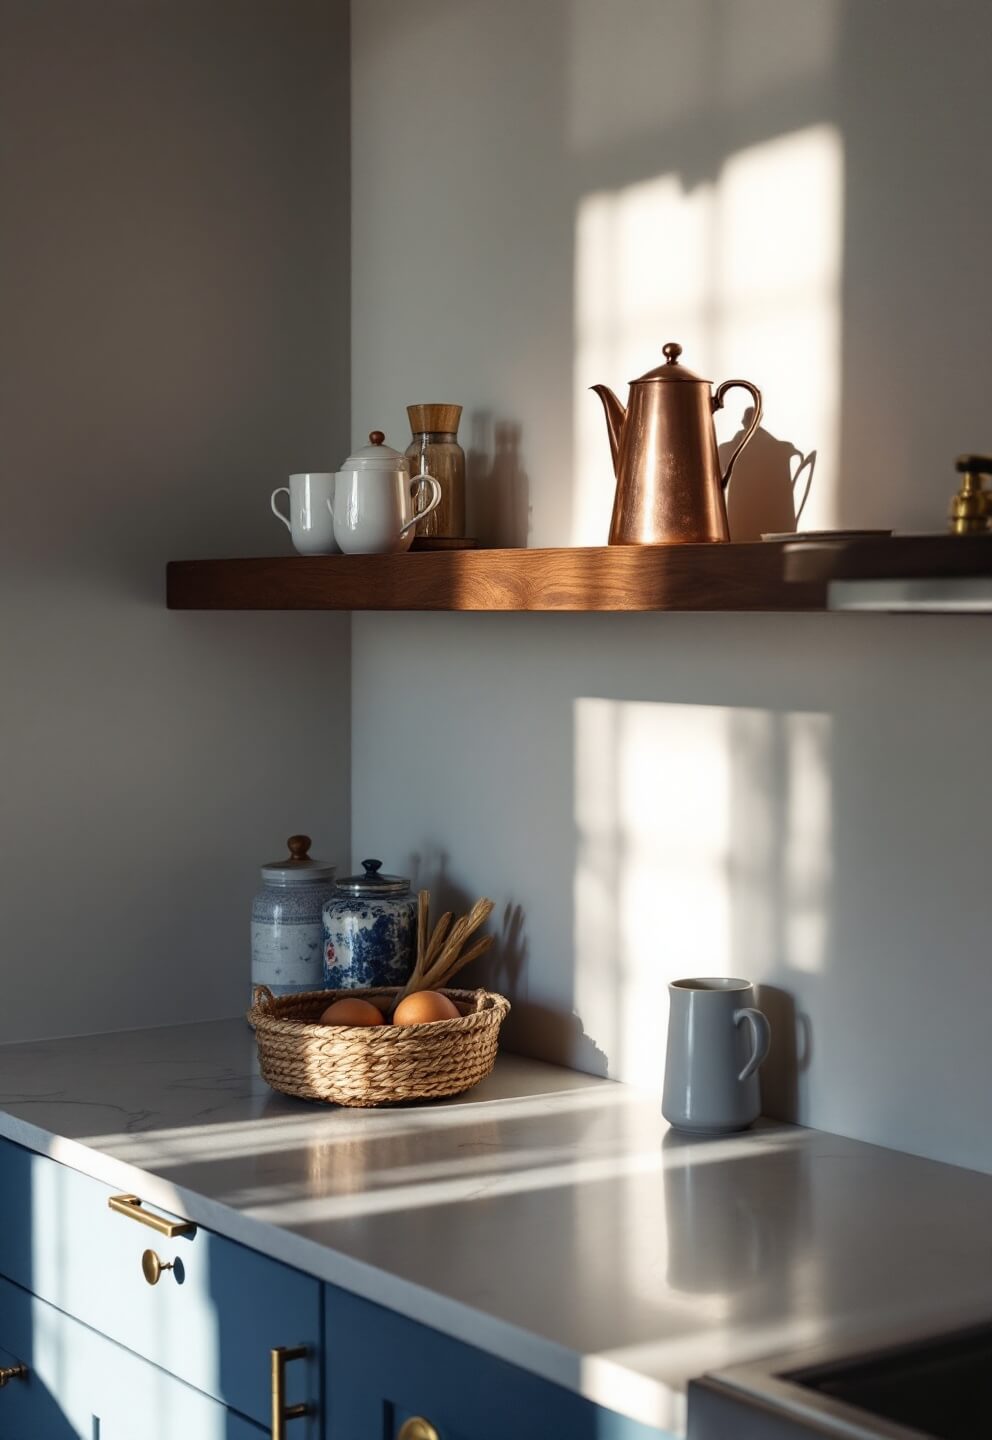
368 1065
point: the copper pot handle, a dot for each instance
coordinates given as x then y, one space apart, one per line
755 394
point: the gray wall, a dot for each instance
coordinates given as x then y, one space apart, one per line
799 194
173 257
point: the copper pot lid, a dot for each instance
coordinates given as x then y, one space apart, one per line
671 370
299 867
372 883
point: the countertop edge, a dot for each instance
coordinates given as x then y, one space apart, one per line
595 1378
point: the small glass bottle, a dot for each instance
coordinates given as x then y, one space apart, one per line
435 451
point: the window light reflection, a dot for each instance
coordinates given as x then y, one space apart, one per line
700 845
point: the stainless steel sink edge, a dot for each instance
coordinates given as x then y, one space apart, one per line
747 1403
766 1399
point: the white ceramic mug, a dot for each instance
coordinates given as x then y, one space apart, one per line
308 522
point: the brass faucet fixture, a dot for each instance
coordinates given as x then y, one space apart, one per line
971 506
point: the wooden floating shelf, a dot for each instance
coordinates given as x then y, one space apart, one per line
606 578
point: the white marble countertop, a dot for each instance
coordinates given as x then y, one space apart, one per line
548 1217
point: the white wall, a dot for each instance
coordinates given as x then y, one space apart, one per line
174 340
800 193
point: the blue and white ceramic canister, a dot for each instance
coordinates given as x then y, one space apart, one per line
287 935
370 930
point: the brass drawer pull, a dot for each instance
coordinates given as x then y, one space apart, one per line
152 1266
417 1428
281 1412
132 1207
12 1372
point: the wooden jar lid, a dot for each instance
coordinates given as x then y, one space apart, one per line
442 418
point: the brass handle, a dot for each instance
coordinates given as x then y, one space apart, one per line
12 1372
152 1267
281 1412
131 1206
417 1428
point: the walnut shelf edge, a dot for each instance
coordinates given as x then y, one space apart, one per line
604 578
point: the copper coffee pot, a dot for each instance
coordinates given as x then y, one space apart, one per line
669 487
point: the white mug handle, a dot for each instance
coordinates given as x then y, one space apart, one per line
761 1038
435 502
282 490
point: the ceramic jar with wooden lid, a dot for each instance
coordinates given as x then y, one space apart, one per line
287 935
434 450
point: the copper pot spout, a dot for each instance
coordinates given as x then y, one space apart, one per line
616 414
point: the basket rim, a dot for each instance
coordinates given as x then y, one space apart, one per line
488 1003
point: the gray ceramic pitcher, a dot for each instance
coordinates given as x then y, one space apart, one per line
716 1041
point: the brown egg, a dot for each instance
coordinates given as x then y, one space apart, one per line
422 1007
352 1012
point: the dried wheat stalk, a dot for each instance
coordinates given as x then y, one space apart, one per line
437 939
443 955
423 905
473 954
463 929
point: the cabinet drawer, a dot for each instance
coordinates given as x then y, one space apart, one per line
81 1384
212 1320
383 1369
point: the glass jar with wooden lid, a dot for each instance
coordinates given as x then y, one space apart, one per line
434 450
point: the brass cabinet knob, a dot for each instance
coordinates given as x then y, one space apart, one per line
12 1372
417 1428
152 1266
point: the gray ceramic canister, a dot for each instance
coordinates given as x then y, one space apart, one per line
370 930
287 934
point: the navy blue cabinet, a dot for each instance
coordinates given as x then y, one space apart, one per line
206 1329
108 1354
78 1385
383 1370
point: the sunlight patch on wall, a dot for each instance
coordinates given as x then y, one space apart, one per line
702 848
807 867
745 273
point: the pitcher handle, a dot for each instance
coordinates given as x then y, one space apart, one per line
761 1038
755 394
415 484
